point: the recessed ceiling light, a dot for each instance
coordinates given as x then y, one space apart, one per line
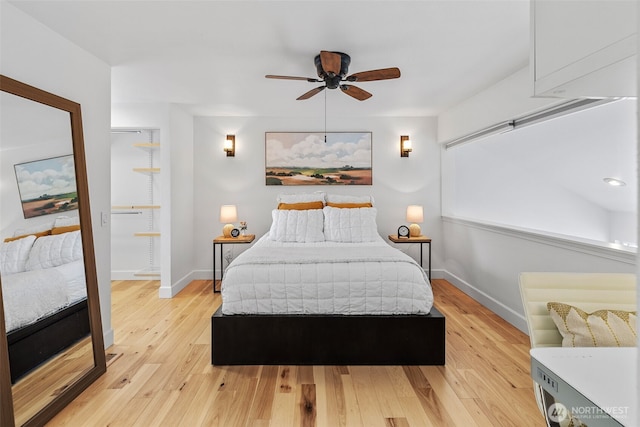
614 182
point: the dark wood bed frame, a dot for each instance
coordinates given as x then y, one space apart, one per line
36 343
328 339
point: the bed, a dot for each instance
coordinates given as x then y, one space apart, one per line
44 293
323 288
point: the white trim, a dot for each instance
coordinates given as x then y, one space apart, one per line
108 337
483 133
129 275
592 247
202 274
548 113
170 292
508 314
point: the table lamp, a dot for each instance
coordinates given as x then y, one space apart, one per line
414 215
228 215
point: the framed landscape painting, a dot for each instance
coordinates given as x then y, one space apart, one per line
47 186
318 158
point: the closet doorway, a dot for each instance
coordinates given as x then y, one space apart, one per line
135 204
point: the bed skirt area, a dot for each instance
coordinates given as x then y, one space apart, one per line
328 339
34 344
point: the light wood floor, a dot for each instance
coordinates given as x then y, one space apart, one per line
161 375
44 383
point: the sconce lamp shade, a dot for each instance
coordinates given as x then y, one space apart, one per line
405 146
230 145
415 214
228 215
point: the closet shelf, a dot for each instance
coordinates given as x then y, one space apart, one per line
147 234
147 170
148 272
135 207
147 145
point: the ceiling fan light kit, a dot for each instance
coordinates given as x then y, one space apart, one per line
332 69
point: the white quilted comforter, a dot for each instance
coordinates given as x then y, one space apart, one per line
31 295
325 278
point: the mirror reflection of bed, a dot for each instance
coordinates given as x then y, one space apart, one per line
42 268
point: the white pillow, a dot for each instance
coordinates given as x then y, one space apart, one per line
65 221
33 229
302 226
353 225
301 197
345 198
55 250
14 254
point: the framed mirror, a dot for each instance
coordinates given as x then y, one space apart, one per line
51 342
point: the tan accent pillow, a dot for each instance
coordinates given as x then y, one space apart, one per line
602 328
349 205
65 229
301 206
38 234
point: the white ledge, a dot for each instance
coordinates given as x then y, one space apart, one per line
592 247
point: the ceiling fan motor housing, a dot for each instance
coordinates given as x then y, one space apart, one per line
333 81
332 68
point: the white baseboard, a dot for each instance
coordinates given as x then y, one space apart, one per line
508 314
175 288
128 275
108 337
202 274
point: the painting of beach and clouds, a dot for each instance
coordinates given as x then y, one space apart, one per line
47 186
307 158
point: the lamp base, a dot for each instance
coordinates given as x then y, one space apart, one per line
226 230
414 230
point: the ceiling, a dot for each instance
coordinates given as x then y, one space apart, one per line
212 56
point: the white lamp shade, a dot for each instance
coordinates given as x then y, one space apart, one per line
228 144
228 213
406 145
415 214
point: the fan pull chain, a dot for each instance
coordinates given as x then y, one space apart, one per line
325 116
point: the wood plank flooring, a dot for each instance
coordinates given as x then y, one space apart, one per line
161 374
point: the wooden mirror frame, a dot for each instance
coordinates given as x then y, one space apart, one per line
93 300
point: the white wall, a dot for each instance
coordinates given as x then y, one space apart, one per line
492 184
240 180
176 186
507 99
183 234
485 260
33 54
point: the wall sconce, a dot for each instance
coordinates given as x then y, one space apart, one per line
230 145
405 146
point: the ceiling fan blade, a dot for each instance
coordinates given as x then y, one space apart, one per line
331 62
308 79
311 93
355 92
381 74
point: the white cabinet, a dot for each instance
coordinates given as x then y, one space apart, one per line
584 48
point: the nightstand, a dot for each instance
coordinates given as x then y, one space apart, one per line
419 239
221 240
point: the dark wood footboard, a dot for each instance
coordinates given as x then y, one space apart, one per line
34 344
328 339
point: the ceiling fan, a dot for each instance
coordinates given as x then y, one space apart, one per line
332 68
